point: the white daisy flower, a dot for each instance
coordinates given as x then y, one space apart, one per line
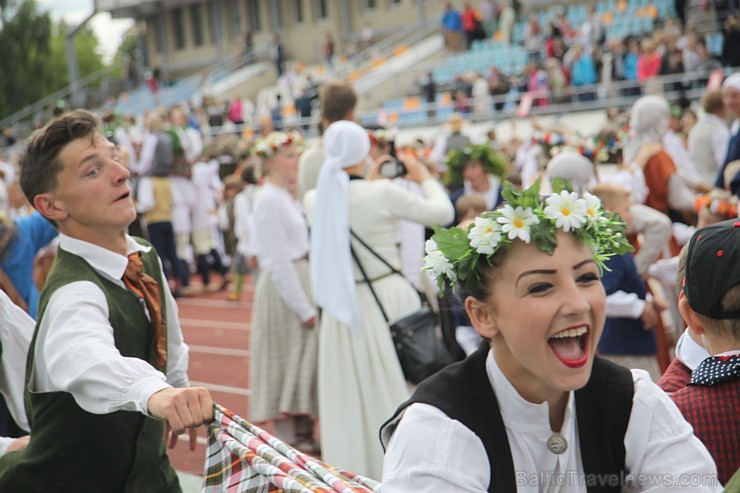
566 209
516 222
485 235
436 262
593 204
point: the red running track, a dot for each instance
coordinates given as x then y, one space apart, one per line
218 333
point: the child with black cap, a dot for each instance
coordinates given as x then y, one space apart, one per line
710 305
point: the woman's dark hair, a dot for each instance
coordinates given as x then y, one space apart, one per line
487 270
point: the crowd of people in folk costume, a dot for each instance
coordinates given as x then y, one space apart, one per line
561 333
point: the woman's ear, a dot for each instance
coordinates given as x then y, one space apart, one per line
481 317
689 315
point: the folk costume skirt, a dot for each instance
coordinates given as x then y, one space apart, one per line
283 363
360 378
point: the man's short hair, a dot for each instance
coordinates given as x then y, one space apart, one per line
337 100
39 163
712 102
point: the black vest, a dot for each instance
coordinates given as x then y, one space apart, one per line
603 407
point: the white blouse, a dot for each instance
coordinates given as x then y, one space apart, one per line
429 452
280 238
16 331
75 348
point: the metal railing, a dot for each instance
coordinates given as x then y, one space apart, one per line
621 94
63 93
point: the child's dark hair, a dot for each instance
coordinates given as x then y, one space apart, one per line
39 163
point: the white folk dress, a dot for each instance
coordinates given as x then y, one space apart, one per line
360 378
282 369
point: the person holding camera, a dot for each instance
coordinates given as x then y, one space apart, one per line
360 377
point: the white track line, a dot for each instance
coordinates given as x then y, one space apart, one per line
214 303
214 324
220 351
227 389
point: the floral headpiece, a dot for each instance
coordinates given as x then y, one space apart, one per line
379 137
720 205
458 255
267 147
492 162
548 138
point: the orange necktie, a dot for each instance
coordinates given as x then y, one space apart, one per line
144 286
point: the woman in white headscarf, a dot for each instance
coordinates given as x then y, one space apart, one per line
648 125
360 378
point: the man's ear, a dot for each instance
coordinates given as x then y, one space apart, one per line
49 207
689 315
481 317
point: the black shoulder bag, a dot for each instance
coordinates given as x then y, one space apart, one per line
419 349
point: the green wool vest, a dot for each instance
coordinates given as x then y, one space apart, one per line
73 451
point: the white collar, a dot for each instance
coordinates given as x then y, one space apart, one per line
519 414
690 352
107 262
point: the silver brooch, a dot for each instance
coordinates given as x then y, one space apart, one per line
557 444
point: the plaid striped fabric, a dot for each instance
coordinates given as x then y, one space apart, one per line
243 458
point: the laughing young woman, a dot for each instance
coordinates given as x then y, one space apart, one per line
535 410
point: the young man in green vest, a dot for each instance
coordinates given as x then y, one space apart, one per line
107 367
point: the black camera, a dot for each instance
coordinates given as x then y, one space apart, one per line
393 168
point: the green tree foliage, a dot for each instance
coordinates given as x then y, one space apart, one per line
34 61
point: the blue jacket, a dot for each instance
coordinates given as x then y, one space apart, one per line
630 66
625 336
451 21
34 233
584 72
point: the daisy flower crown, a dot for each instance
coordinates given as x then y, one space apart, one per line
267 147
458 255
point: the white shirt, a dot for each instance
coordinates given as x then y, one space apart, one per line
16 331
690 352
75 348
489 196
281 237
146 160
430 452
675 148
244 221
207 184
184 202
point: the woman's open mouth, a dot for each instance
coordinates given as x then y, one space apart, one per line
124 196
571 346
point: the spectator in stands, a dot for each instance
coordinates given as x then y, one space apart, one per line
559 88
672 63
469 24
368 36
488 12
337 101
452 28
583 74
709 138
277 54
631 60
648 65
429 90
537 83
498 86
706 64
328 50
236 111
730 42
534 39
507 19
729 175
481 97
591 34
461 83
248 45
